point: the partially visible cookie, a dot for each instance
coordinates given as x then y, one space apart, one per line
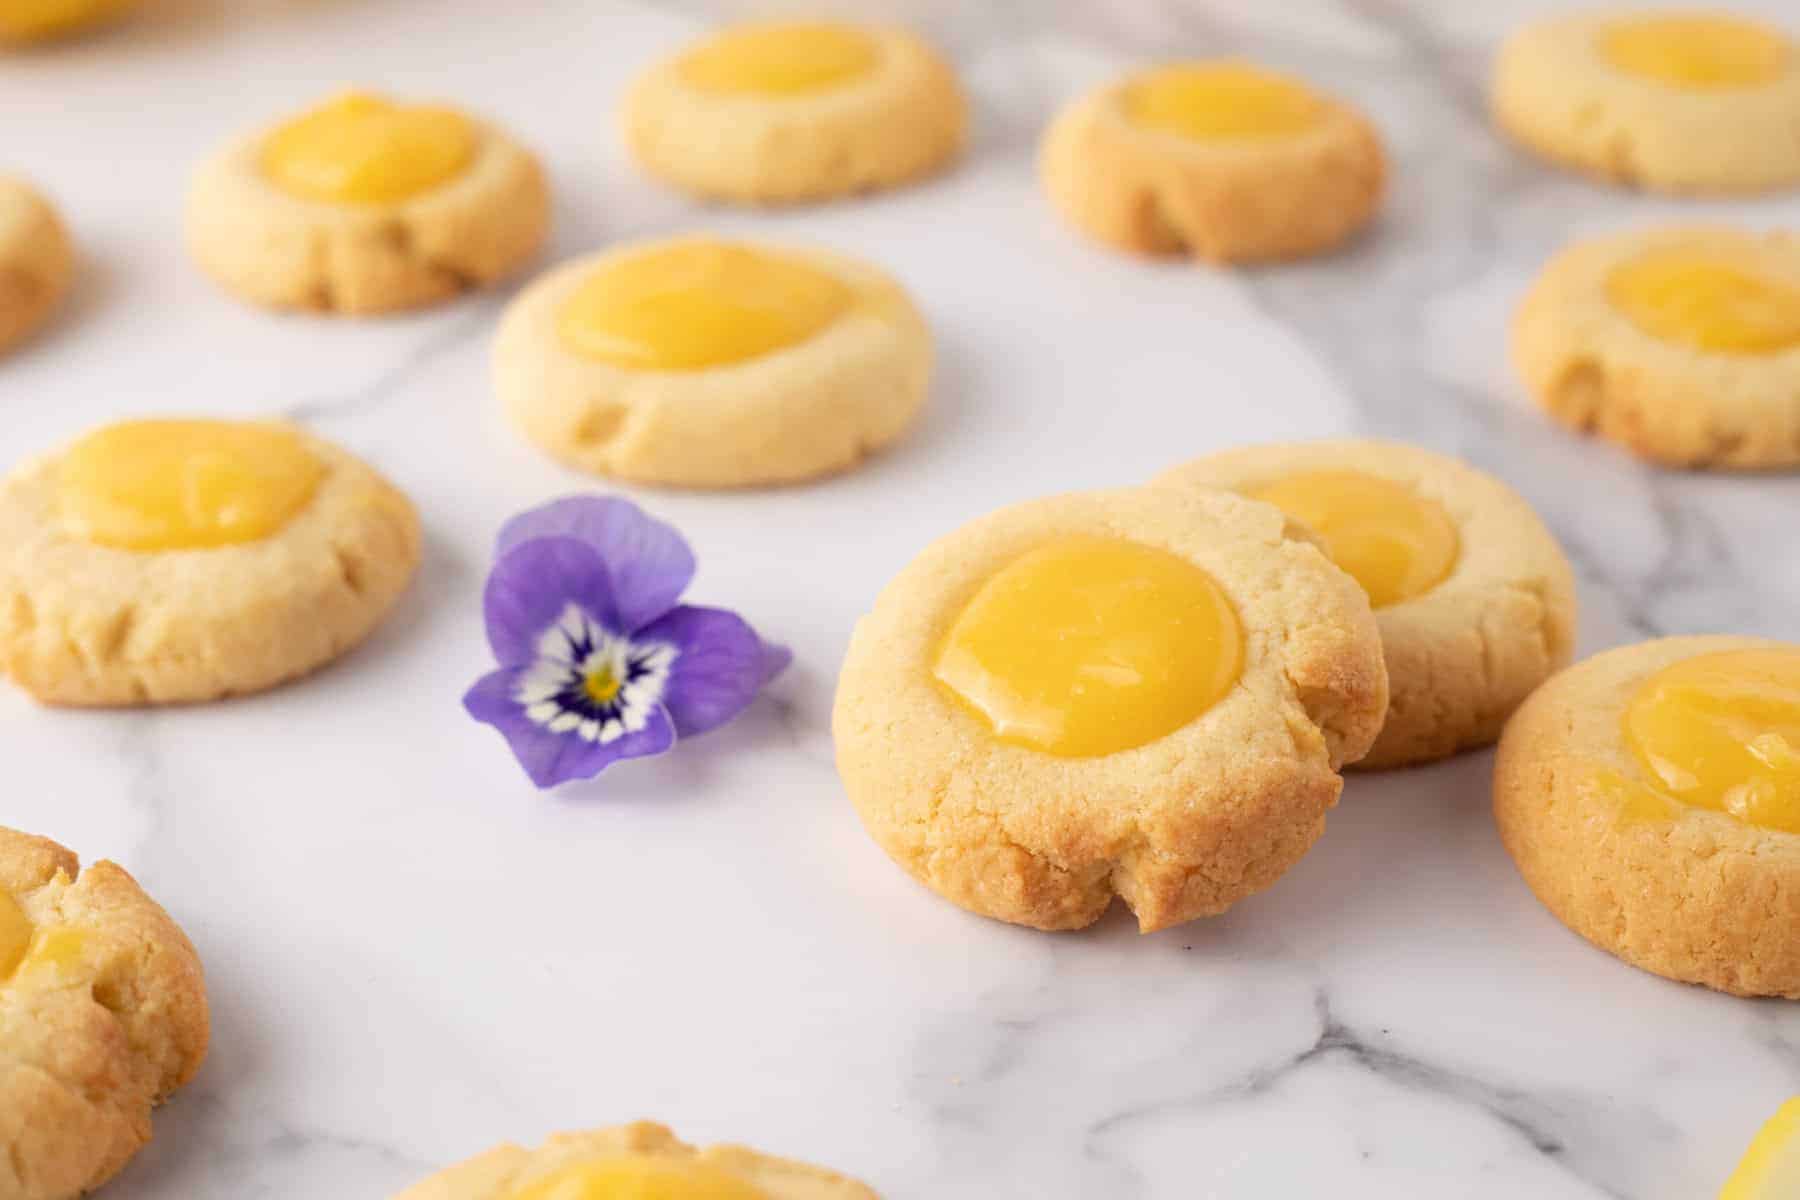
102 1015
26 21
642 1159
1222 160
1651 798
1681 344
778 113
36 261
366 205
1672 101
1474 598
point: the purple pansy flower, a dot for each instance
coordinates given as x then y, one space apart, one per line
597 660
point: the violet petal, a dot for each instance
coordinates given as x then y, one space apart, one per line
719 668
650 563
533 584
553 758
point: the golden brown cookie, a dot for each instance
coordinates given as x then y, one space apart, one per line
26 21
705 363
1222 160
777 113
1141 693
102 1016
1475 601
157 562
366 205
36 261
1673 101
1682 344
642 1159
1651 798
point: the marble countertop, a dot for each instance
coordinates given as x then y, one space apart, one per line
412 955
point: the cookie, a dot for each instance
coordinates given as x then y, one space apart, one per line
366 205
1475 601
156 562
1670 101
102 1016
36 261
1682 345
641 1159
1651 798
779 113
699 362
1141 693
25 21
1222 160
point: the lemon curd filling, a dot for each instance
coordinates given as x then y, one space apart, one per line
360 148
1707 302
1215 101
1697 52
697 304
184 485
638 1177
1722 731
779 60
28 20
1392 540
15 935
1090 645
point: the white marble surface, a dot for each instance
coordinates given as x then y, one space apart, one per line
412 955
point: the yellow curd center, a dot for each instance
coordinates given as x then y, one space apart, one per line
15 935
696 304
1708 303
1393 541
360 148
28 20
1221 100
184 485
779 60
1090 646
1722 731
1697 52
639 1178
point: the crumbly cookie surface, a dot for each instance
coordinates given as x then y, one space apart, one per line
1464 654
1555 92
91 1043
1592 369
1155 193
1702 898
501 1172
1179 828
269 247
907 119
86 624
36 261
810 409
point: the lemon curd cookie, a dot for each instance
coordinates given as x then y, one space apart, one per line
640 1160
774 113
366 204
102 1015
25 21
1674 101
1651 798
707 363
1475 601
1223 160
1681 344
36 261
1141 693
161 561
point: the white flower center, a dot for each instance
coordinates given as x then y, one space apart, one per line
592 683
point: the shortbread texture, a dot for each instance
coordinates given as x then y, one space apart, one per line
814 408
905 120
1245 200
1462 656
1182 827
86 624
37 261
1592 369
269 247
1703 898
1555 93
87 1051
504 1170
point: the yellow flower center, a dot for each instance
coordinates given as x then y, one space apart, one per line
1708 302
639 1177
1218 101
602 686
779 60
1697 53
360 148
